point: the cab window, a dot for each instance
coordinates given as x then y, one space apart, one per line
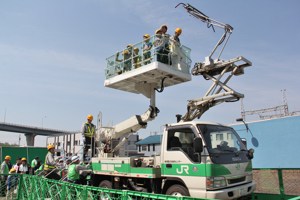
182 140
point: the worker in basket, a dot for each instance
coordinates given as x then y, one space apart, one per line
88 131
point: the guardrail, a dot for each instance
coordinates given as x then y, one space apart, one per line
156 48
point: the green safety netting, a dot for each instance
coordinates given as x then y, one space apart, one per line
282 183
39 188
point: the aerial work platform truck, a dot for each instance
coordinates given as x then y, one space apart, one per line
197 159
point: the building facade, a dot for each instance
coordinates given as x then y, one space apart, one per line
274 141
150 145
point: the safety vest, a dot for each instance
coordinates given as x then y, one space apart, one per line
48 167
90 133
33 163
6 171
72 174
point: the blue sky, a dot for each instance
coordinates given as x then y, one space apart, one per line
52 59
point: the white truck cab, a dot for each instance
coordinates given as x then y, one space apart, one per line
208 160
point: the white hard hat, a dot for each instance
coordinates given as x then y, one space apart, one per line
75 158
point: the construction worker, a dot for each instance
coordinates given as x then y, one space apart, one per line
136 57
12 183
74 168
24 168
88 131
50 164
175 43
18 163
34 162
165 38
147 45
68 162
129 47
175 37
4 170
127 61
164 29
160 46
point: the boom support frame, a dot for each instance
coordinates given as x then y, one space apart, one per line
213 97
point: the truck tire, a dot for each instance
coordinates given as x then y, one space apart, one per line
103 195
106 184
177 190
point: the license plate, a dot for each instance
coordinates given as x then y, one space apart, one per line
243 191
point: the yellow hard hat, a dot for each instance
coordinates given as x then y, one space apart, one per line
7 158
50 147
178 30
157 31
12 170
164 26
23 159
90 117
126 52
130 45
135 48
146 35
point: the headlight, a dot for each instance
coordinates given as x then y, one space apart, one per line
215 182
249 177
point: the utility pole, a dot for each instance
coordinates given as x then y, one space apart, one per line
19 139
286 108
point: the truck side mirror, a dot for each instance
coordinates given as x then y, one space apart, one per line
244 141
250 153
198 146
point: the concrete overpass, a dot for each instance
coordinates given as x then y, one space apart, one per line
30 131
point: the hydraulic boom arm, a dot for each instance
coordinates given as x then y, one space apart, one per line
211 68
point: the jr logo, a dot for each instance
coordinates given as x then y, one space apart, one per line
183 168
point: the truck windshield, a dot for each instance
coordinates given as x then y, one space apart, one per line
221 139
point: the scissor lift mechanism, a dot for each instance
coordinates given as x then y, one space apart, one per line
211 68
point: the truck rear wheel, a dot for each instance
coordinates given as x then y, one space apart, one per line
103 195
178 190
106 184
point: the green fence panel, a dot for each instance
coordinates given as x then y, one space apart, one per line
277 183
29 187
38 188
24 152
37 151
14 152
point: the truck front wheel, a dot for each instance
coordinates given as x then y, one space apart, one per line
178 190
